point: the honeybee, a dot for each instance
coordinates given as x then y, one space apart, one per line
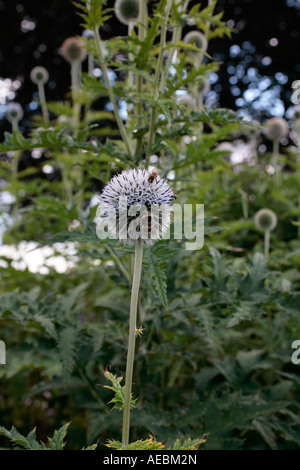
153 175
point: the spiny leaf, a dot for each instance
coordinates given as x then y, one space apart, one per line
57 441
156 268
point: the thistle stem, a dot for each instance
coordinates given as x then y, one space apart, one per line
158 72
267 243
139 79
43 102
111 92
275 162
131 338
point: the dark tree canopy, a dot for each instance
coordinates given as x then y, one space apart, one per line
259 63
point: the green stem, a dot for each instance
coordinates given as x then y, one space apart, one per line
158 73
119 263
131 338
139 78
15 124
267 243
275 162
111 91
43 102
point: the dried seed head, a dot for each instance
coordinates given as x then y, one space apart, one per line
72 50
276 129
197 39
14 112
39 75
144 197
265 220
127 11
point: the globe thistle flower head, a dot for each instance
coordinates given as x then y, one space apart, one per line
265 220
276 129
197 39
135 204
72 50
39 75
14 112
127 11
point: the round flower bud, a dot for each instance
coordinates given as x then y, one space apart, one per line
197 39
135 205
127 11
39 75
276 129
265 220
72 50
14 112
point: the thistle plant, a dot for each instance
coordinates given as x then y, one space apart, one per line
266 221
296 126
89 35
275 130
39 76
73 52
121 198
14 114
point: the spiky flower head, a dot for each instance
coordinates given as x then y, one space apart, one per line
276 129
196 39
265 220
72 50
135 204
39 75
14 112
127 11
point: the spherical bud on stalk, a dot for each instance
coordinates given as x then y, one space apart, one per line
127 11
197 39
265 220
39 75
276 129
14 112
72 50
135 204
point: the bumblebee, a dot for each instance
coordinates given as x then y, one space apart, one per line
153 175
148 222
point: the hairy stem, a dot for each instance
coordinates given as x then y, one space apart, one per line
131 338
111 91
158 72
43 102
267 243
